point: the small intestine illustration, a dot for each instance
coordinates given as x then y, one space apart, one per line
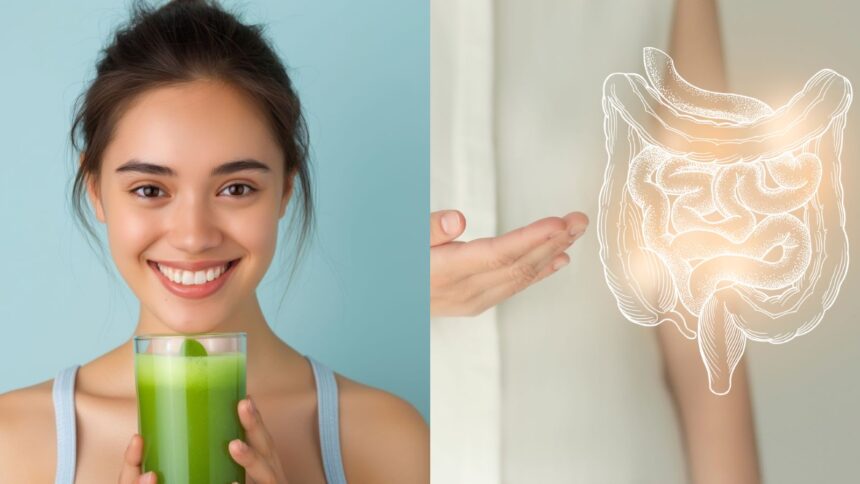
719 214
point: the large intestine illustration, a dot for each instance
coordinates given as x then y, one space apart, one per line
719 214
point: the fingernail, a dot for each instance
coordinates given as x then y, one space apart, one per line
577 229
149 477
559 264
251 407
241 446
450 223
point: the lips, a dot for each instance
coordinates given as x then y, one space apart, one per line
195 291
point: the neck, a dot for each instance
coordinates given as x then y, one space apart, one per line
247 318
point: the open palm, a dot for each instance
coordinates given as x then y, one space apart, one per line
467 278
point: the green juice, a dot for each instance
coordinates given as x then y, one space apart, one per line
187 414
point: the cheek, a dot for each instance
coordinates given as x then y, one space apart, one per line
129 234
256 231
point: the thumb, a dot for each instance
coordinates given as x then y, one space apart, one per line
445 226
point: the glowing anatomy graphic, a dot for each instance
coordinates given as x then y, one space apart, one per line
719 214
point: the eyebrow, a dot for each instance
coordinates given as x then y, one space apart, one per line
138 166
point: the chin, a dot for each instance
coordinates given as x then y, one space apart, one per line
196 322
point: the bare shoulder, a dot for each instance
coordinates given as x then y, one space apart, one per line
383 437
27 434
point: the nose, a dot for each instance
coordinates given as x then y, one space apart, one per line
193 227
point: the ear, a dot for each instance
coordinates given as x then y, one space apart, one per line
289 182
93 195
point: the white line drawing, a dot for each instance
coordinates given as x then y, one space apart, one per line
719 214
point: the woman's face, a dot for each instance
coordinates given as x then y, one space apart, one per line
184 210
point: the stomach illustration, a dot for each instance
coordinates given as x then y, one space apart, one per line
719 214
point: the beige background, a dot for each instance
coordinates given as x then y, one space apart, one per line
580 396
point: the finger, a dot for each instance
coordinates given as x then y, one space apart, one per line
255 431
526 269
533 267
445 226
130 473
148 478
509 290
557 263
489 297
494 253
256 467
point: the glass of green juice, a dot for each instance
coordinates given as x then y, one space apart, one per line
188 389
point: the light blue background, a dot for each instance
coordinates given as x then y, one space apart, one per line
360 300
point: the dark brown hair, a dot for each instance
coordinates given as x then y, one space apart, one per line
184 41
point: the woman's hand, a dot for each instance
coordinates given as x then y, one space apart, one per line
258 456
130 473
467 278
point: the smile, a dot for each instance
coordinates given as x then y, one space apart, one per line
193 284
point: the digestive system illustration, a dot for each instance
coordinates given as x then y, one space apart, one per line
719 214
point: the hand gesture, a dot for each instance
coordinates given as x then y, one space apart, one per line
467 278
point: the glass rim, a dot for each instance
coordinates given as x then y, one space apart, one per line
234 334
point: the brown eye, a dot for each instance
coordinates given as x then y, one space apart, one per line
240 190
146 191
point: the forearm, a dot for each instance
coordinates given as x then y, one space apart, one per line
695 44
718 430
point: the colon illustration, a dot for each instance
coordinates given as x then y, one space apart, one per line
719 214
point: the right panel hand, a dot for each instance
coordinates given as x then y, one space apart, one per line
467 278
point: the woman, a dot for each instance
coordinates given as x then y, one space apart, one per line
575 393
192 142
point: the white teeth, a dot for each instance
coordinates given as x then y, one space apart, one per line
188 278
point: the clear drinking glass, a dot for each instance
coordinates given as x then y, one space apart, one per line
188 389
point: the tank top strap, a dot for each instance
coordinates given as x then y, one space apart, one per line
64 415
329 426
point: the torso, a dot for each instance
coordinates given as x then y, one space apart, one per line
105 425
382 437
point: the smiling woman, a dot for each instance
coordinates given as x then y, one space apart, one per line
191 145
184 209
